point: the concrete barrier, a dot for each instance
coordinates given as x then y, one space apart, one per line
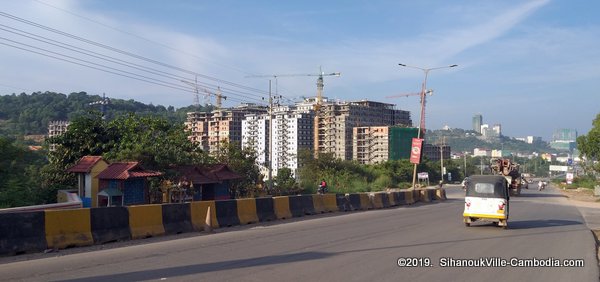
330 202
343 202
145 221
301 205
177 218
110 224
296 206
246 209
318 203
198 211
265 209
392 198
440 194
376 200
22 232
227 214
409 195
424 195
281 206
365 201
68 228
307 204
355 201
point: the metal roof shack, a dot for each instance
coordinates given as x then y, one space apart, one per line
207 174
130 179
85 164
211 182
126 170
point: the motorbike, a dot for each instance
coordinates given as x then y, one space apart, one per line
321 190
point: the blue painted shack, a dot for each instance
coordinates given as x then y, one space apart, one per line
128 178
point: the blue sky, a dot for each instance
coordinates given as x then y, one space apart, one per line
532 66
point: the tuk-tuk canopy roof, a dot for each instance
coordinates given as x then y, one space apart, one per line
499 183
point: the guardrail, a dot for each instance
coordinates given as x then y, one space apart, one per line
33 230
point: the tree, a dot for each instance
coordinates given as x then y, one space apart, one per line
589 146
242 161
285 181
153 141
19 181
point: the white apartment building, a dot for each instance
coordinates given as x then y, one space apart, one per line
292 131
255 135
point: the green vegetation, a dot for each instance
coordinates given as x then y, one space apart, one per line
585 181
19 175
461 140
349 176
155 136
589 146
24 114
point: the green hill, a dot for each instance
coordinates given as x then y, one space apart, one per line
461 140
29 114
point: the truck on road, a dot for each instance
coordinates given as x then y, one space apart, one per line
510 171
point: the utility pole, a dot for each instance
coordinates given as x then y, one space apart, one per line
442 157
465 160
105 101
422 119
270 139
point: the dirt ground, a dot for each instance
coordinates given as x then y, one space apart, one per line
581 194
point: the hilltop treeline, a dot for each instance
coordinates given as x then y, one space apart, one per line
29 114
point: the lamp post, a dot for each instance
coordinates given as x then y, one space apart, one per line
422 118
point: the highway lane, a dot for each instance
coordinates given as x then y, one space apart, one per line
357 246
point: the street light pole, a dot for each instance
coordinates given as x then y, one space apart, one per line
422 116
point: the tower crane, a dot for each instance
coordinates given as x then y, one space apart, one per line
219 95
320 83
423 102
318 102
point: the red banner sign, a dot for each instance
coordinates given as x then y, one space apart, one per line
415 150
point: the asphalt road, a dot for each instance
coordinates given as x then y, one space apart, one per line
357 246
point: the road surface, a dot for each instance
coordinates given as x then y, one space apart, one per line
356 246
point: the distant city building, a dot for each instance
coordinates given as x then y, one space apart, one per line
477 122
336 121
208 130
533 139
497 128
432 152
564 139
564 134
255 135
488 132
56 128
500 154
478 152
376 144
371 144
292 131
548 157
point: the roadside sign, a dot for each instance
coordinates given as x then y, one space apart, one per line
569 178
415 150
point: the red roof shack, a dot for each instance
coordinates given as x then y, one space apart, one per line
126 183
209 182
87 170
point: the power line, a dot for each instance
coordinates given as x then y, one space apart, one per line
134 55
141 37
99 67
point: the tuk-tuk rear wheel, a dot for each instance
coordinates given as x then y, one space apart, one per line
467 224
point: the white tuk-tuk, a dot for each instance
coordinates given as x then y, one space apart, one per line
487 199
